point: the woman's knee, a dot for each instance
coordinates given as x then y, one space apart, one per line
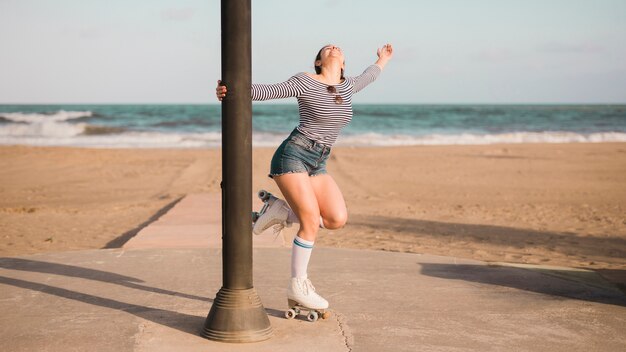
336 221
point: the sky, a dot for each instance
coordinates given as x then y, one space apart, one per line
445 51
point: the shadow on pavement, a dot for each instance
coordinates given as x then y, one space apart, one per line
616 276
89 274
183 322
571 284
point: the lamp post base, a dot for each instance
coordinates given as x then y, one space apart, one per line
237 316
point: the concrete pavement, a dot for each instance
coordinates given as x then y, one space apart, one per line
156 298
195 222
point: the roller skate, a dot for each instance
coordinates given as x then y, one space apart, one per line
274 213
301 295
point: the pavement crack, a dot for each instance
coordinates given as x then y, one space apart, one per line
348 338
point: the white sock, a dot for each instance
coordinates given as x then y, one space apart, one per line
300 255
321 223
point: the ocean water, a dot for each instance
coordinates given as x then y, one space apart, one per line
199 126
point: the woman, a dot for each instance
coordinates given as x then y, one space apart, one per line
299 164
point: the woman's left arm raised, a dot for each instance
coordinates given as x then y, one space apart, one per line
384 55
371 73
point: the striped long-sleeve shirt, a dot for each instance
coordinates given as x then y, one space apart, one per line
322 114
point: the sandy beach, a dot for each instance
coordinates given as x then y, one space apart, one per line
553 204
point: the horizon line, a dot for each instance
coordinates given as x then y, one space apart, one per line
354 104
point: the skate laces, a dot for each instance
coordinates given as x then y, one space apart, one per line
303 286
278 230
308 285
279 227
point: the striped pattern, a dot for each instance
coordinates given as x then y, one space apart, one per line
321 119
301 244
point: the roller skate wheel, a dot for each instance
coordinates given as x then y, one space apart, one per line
290 314
264 195
312 317
325 315
255 216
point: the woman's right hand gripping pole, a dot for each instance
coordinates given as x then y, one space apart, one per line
221 90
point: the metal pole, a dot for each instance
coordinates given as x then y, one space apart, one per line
237 314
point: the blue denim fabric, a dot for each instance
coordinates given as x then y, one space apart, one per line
298 153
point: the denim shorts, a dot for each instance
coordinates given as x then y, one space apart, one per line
298 153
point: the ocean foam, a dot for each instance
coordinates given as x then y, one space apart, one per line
123 140
65 136
42 125
376 139
59 116
50 129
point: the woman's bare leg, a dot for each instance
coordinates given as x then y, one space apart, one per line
298 191
301 196
332 206
330 201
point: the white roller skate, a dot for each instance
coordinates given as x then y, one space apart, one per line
301 295
274 213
